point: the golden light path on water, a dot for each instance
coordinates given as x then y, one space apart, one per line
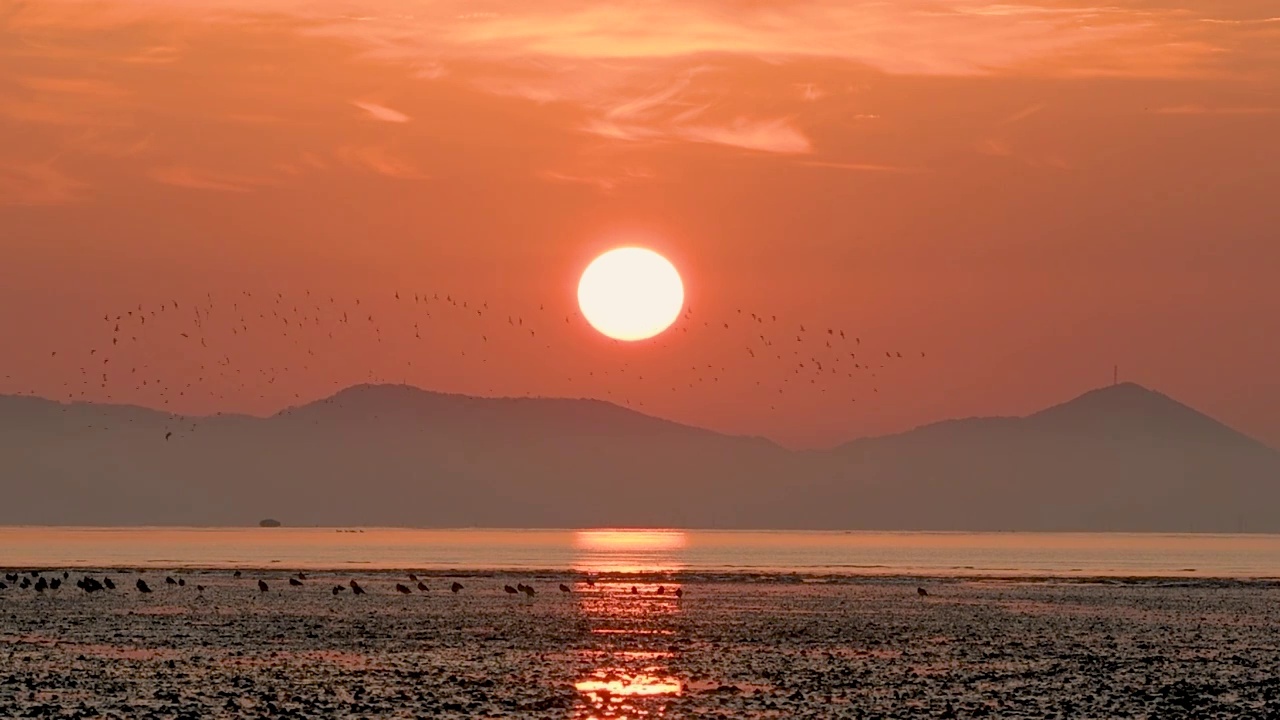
629 551
605 685
629 680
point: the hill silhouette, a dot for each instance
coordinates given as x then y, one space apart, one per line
1118 458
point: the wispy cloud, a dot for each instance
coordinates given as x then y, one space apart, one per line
154 55
379 160
109 143
774 136
1031 158
864 167
91 87
37 183
994 148
605 182
809 92
915 37
62 100
784 79
1023 114
1208 110
614 62
381 112
1242 21
55 111
254 119
198 179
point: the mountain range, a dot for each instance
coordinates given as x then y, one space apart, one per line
1120 458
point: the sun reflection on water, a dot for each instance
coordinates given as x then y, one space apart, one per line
636 621
604 684
631 540
613 695
629 551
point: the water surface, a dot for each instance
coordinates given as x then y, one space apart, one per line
692 551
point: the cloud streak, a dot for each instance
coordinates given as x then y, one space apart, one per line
35 184
1220 110
864 167
380 161
197 179
771 136
381 112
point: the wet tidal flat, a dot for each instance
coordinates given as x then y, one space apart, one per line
730 647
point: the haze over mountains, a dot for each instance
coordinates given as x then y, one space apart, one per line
1119 458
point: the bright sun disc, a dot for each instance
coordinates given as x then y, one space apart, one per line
630 293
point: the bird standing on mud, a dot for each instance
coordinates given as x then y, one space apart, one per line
262 586
89 585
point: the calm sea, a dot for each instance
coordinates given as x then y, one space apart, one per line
693 551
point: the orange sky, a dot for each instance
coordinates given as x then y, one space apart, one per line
1028 192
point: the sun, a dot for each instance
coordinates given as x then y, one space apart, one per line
630 293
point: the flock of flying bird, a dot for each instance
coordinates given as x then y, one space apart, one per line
210 353
36 580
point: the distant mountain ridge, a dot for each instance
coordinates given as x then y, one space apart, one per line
1117 458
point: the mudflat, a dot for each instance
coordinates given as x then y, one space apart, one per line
750 646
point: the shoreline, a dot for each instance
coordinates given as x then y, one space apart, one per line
788 577
359 529
777 556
